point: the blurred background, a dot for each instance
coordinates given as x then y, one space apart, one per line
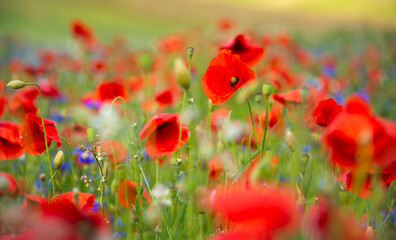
141 21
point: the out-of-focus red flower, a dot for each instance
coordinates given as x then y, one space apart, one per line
49 89
107 91
326 111
127 193
82 32
2 105
23 102
33 134
167 97
10 141
84 201
359 136
248 52
115 151
226 74
215 168
225 24
11 187
172 43
135 83
218 117
162 133
33 203
256 212
98 66
327 222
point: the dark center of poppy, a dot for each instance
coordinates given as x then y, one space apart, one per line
234 81
162 125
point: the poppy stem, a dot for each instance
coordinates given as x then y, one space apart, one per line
265 128
181 121
45 137
71 160
251 135
51 180
102 180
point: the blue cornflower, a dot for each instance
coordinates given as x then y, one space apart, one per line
83 156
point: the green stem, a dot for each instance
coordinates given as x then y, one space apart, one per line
265 129
71 160
251 134
45 136
49 182
102 183
181 121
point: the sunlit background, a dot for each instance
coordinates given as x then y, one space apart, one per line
47 21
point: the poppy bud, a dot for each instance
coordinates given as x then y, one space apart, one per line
59 160
114 186
267 89
91 134
190 52
145 61
304 92
290 140
16 84
182 74
4 184
122 174
250 90
42 177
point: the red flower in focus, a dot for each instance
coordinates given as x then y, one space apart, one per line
33 134
9 185
23 102
326 111
358 134
257 212
225 74
107 91
162 133
115 151
10 142
247 51
82 32
127 193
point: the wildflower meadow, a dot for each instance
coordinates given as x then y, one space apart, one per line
226 134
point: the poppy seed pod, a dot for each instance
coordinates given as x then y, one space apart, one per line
58 162
114 186
16 84
121 174
291 141
182 74
146 61
91 134
42 177
267 89
190 52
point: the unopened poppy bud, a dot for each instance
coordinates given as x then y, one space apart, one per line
249 91
91 134
267 89
190 52
122 174
4 184
114 186
304 92
182 74
42 177
305 159
59 160
145 61
290 140
16 84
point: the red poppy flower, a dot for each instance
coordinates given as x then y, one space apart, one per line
127 193
107 91
162 133
23 102
85 200
249 53
33 203
215 168
218 117
81 31
225 24
115 151
12 185
10 141
257 210
226 74
171 43
167 97
49 89
358 133
33 135
326 111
